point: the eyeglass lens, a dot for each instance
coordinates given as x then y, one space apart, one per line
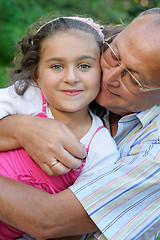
127 77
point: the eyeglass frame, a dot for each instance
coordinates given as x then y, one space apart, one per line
142 88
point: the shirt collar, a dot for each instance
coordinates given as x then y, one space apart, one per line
144 116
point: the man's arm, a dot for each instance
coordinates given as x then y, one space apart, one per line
51 139
40 214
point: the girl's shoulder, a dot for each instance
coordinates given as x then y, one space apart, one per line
12 103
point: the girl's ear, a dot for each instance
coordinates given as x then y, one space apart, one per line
35 77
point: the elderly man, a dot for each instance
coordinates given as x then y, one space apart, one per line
122 201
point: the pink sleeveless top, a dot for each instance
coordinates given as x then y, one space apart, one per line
17 164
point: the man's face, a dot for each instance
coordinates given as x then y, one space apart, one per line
137 49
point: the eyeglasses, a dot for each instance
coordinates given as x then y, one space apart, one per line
128 79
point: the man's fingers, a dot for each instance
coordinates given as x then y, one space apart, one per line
76 149
59 169
68 159
55 170
46 168
71 143
55 141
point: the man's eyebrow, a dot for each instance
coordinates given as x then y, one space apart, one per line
117 52
119 57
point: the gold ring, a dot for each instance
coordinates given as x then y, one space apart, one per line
54 163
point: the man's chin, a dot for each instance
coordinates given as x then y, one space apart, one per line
101 99
104 97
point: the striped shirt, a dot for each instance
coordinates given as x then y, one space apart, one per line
124 199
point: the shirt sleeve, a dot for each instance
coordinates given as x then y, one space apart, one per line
8 104
12 103
123 199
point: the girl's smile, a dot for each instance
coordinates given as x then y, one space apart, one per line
72 92
69 71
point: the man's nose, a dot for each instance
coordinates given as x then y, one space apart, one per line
112 76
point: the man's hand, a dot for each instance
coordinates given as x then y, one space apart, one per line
45 140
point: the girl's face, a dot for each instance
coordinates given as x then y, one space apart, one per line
69 70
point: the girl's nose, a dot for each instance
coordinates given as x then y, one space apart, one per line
71 76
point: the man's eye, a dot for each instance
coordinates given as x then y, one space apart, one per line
134 82
84 66
57 67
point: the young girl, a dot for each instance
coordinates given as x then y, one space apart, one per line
58 77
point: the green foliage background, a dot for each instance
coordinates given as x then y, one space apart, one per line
17 15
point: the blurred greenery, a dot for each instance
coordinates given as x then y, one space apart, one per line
17 15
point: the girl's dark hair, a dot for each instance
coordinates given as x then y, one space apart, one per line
27 60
